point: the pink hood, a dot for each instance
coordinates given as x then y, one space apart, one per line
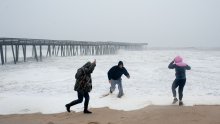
179 61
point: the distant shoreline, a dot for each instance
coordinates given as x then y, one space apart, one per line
183 48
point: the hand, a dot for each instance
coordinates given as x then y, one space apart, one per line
128 76
94 61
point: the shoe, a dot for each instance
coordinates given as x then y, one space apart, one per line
119 96
110 90
180 103
87 112
175 100
67 108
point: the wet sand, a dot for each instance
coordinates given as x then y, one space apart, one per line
149 115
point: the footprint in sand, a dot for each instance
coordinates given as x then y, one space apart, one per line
50 122
93 123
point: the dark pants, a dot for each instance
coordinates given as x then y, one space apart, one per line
80 99
181 84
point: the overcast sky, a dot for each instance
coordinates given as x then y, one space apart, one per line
187 23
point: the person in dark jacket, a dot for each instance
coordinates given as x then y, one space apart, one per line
180 68
83 86
114 77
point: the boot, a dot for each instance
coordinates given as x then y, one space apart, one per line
110 90
120 95
87 111
180 103
175 100
67 108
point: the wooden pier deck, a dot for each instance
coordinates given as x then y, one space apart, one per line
61 48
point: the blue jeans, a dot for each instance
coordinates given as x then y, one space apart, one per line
120 88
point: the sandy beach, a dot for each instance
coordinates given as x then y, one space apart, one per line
147 115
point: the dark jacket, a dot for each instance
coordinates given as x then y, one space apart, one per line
83 77
116 72
180 70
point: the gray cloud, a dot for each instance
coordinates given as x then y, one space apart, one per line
158 22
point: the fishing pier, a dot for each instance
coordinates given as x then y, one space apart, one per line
59 48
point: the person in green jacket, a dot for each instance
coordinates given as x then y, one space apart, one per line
83 86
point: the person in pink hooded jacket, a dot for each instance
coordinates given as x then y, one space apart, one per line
180 68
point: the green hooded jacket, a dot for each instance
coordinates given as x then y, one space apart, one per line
83 78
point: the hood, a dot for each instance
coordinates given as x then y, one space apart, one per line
179 61
87 65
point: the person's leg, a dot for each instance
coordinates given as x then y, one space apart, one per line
86 103
113 83
120 88
174 86
180 90
79 100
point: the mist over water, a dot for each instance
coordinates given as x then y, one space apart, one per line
170 23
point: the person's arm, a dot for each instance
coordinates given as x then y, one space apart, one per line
125 72
188 67
171 65
110 74
91 68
